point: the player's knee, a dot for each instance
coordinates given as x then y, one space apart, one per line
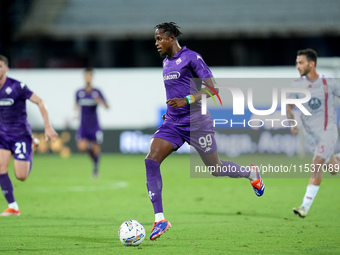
152 157
82 147
3 170
155 157
333 172
21 177
96 149
333 169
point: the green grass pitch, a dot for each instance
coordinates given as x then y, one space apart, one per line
65 211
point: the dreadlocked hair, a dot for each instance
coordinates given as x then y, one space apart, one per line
170 28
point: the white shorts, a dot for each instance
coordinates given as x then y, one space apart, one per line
323 143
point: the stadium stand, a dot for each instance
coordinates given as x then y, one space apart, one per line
217 18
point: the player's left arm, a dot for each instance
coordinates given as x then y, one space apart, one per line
210 84
101 100
336 91
201 69
50 133
105 104
180 102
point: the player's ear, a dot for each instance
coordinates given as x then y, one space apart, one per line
312 63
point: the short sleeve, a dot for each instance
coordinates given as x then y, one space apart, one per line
336 88
200 67
101 95
26 93
293 95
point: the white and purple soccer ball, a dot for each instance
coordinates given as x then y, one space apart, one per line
131 232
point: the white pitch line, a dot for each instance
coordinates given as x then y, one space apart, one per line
112 186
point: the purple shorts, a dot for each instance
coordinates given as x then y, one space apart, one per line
21 147
93 135
202 139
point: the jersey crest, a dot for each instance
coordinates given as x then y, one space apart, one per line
314 103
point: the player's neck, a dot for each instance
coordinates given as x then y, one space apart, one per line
312 75
174 50
88 87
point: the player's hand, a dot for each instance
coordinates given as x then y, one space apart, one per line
294 130
50 133
177 102
163 117
76 115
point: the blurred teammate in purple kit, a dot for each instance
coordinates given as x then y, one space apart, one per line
184 123
15 133
90 135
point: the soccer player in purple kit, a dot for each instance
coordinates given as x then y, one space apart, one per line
89 134
15 133
185 123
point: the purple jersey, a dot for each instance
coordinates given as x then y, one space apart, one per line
13 116
180 79
88 103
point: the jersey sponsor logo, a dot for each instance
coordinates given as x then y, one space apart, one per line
8 90
87 102
171 76
314 103
6 102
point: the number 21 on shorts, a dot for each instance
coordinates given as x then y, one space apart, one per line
20 147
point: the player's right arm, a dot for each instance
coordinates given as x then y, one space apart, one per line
290 115
76 111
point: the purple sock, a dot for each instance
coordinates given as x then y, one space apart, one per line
95 159
90 152
234 170
154 184
31 163
7 187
